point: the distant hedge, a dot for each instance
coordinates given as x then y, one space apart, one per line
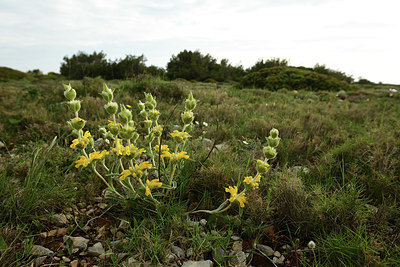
10 74
292 78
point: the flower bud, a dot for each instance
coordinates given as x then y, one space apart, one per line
127 132
77 123
114 128
111 108
262 167
124 115
154 114
69 93
273 142
143 114
107 93
274 133
149 138
269 152
190 103
187 117
74 105
102 130
147 124
141 106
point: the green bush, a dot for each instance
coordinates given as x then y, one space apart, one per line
10 74
291 78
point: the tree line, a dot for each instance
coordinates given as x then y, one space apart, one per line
189 65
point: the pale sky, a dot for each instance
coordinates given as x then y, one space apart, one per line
359 37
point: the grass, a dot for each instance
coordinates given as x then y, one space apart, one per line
346 201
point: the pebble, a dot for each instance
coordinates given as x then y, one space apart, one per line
77 242
203 222
89 212
102 205
178 251
41 251
237 259
74 263
237 246
277 254
235 238
206 263
66 259
279 261
96 250
267 250
189 253
59 219
169 258
39 261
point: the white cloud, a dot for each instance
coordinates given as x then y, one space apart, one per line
360 37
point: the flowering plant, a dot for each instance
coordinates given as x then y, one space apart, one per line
137 160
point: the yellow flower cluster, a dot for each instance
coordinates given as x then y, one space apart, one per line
157 131
81 142
254 182
152 184
135 172
130 151
84 161
179 137
241 198
163 148
175 157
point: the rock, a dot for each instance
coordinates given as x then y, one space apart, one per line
56 258
178 251
65 259
279 261
39 261
277 254
206 263
218 254
203 222
41 251
237 259
96 250
169 258
74 263
77 242
74 250
341 95
237 246
235 238
131 262
267 250
59 219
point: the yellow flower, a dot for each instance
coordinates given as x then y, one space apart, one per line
98 155
82 161
125 174
174 157
132 151
163 148
157 131
152 184
81 142
119 149
179 137
254 182
241 198
135 172
262 167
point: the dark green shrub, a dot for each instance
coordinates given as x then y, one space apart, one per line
291 78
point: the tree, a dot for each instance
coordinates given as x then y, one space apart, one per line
84 65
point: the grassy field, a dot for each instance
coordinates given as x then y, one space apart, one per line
335 180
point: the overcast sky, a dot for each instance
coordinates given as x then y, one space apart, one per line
359 37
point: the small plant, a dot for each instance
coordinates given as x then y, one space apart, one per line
137 159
